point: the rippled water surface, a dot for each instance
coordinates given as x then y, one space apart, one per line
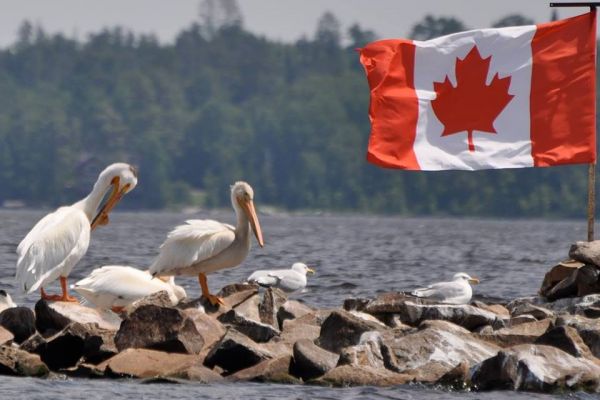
353 256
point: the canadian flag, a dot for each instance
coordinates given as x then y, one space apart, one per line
492 98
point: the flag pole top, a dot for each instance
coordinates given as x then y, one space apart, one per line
590 4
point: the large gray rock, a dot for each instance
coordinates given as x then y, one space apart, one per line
567 339
275 370
272 300
159 328
235 352
292 309
587 328
257 331
522 333
342 329
537 312
557 274
207 326
434 350
349 375
236 293
464 315
14 361
311 361
586 252
76 343
160 299
52 317
367 353
144 363
20 321
535 368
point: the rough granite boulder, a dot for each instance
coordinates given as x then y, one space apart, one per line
20 321
160 299
257 331
586 252
235 352
567 339
348 375
535 368
311 361
464 315
14 361
275 370
292 309
342 329
52 317
273 299
144 363
522 333
587 328
159 328
434 350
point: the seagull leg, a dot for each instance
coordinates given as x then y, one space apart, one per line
214 300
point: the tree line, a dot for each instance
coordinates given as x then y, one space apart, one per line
222 104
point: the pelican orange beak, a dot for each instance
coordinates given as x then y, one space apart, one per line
474 281
248 207
310 271
115 196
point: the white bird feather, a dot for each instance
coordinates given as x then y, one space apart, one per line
289 280
457 291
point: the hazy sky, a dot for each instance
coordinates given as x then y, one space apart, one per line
285 20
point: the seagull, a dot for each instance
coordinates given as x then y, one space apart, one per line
5 301
457 291
115 287
289 280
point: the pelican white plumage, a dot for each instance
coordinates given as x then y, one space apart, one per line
200 247
6 301
117 286
59 240
289 280
457 291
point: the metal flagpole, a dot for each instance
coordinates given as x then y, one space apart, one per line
591 209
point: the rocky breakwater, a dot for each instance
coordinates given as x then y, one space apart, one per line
388 340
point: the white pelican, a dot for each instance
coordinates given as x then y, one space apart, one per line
116 287
5 301
457 291
59 240
289 280
200 247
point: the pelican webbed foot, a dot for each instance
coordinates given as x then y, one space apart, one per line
212 299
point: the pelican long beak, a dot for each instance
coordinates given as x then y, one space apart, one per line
115 196
310 271
248 207
474 281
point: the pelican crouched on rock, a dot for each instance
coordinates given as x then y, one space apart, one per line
59 240
115 287
457 291
200 247
289 280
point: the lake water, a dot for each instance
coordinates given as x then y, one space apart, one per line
354 256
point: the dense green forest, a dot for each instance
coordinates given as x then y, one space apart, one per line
222 104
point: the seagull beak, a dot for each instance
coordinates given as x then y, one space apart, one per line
310 271
248 207
115 196
474 281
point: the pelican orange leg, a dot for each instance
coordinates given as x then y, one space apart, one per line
214 300
56 297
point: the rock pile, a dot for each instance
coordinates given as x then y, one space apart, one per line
527 344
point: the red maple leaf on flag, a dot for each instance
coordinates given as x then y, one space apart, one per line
471 105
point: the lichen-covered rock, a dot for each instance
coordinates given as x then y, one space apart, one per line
342 329
311 361
535 368
20 321
159 328
235 352
14 361
52 317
